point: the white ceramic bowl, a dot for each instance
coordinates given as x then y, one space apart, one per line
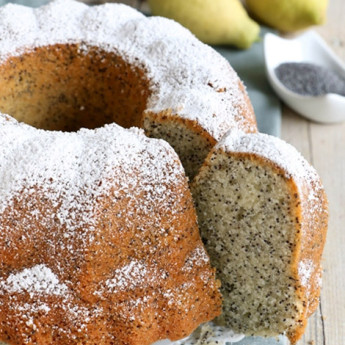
308 47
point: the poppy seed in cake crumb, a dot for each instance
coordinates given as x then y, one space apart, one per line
309 79
249 212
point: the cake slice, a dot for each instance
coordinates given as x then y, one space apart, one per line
263 214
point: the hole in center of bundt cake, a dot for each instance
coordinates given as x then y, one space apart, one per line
66 87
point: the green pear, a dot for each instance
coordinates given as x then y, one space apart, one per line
212 21
289 15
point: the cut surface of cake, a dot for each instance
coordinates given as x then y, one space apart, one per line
262 214
99 240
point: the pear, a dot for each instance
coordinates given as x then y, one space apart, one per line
289 15
212 21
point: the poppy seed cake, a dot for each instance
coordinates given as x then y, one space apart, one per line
263 217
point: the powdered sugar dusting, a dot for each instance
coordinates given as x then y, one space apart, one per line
38 279
75 169
192 80
305 270
131 274
73 173
196 258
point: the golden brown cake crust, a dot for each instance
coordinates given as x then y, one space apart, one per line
312 215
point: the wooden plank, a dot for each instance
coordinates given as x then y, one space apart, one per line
328 143
328 152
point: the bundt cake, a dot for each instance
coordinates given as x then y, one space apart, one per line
99 239
98 233
263 216
66 65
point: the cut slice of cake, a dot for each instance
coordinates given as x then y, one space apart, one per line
263 215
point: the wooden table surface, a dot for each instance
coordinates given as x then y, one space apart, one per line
324 147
